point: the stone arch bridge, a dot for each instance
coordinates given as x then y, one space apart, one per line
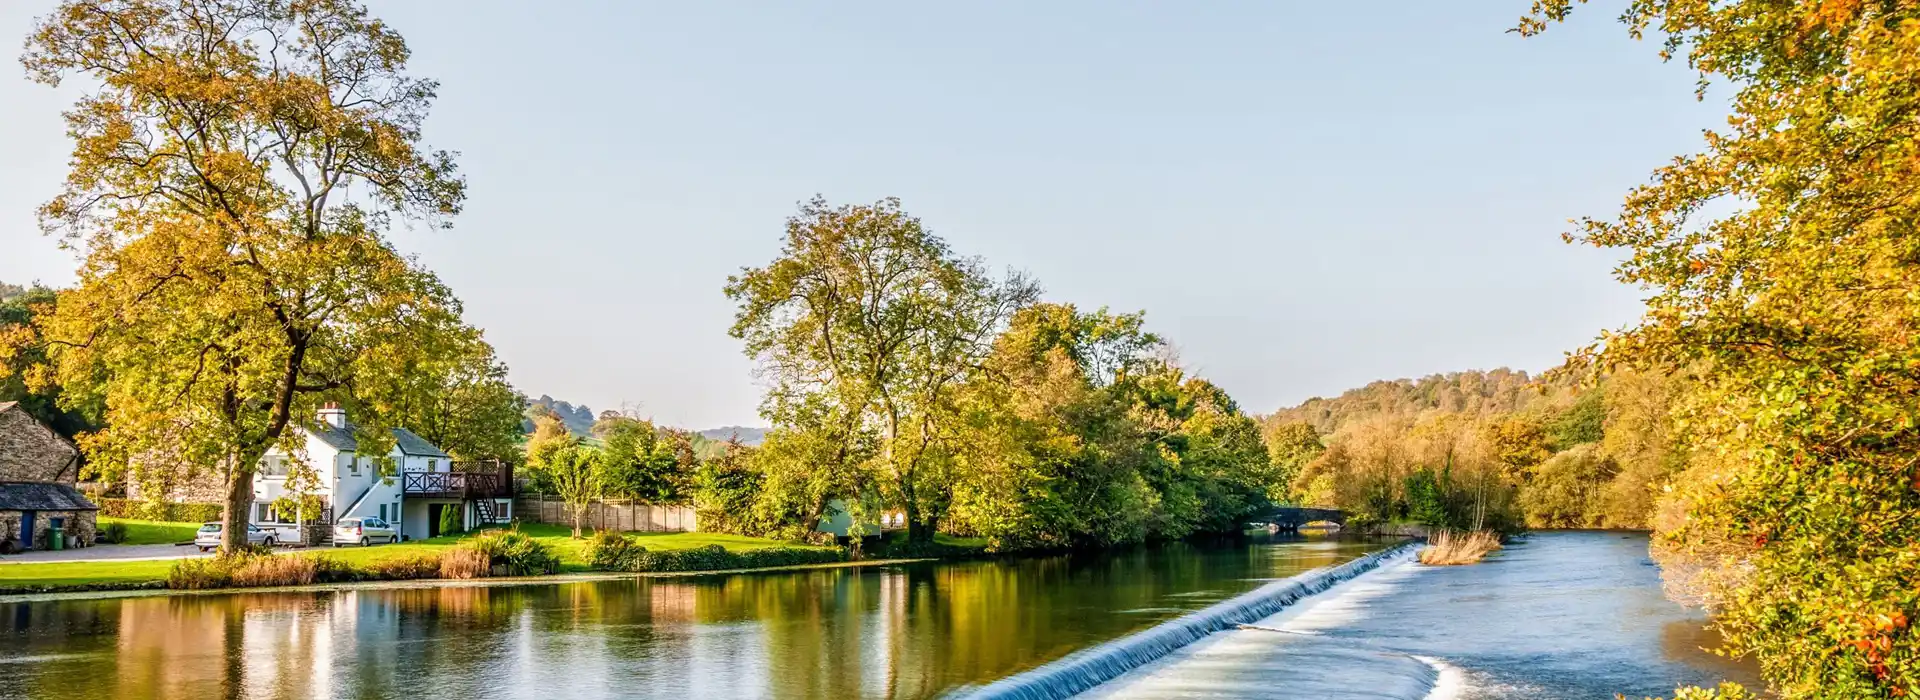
1290 518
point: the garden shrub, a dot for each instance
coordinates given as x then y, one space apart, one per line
450 522
612 551
404 568
114 533
464 563
159 510
713 557
272 570
201 574
520 554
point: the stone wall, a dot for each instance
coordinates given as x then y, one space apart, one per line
31 451
165 478
79 527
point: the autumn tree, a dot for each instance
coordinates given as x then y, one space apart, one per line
1782 261
865 324
236 165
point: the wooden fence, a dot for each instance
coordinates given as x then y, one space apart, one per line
608 514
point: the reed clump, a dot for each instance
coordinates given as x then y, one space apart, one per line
1451 548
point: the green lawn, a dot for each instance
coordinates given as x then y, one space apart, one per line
154 531
572 554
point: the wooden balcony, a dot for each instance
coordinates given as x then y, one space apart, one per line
464 483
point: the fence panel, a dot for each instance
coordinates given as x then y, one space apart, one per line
609 514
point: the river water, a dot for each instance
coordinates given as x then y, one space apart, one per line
1553 615
905 631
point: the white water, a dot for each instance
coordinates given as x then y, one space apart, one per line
1086 669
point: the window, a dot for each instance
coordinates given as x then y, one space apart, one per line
353 466
274 465
262 512
383 511
433 465
396 510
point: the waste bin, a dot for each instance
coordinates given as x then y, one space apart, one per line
58 538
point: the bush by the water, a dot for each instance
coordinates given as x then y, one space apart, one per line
403 568
714 557
152 510
612 551
464 563
520 554
1450 548
253 568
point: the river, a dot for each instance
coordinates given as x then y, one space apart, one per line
1556 615
904 631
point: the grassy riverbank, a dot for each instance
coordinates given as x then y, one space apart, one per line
43 577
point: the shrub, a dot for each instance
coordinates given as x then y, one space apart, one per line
450 523
114 533
331 570
520 554
612 551
159 510
272 570
201 574
404 568
1449 548
713 557
464 563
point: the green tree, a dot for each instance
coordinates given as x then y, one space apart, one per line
25 374
1781 259
234 168
868 322
575 471
1291 445
638 462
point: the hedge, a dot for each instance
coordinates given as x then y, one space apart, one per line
159 510
714 557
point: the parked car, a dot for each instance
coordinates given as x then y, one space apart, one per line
364 531
209 536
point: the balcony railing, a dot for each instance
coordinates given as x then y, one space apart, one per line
457 484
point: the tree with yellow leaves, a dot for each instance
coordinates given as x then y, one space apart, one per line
235 166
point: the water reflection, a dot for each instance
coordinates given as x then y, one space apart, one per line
897 632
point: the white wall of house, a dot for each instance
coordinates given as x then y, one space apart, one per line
343 476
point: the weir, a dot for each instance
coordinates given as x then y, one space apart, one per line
1081 671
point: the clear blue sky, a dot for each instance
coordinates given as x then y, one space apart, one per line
1303 197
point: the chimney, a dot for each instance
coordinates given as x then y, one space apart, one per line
332 414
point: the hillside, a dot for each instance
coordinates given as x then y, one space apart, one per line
747 436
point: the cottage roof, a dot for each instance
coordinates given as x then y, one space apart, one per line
342 439
16 495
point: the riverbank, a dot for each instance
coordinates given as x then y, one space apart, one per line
32 578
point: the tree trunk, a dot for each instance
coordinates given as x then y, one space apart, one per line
233 520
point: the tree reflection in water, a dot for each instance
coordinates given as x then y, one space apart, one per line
905 631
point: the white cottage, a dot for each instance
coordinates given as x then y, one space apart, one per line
413 499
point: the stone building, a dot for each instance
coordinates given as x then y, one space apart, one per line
38 469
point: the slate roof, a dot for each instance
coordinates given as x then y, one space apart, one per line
18 495
342 439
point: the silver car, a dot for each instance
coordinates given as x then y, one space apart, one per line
364 531
209 537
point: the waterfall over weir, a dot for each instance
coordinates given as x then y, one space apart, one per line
1085 669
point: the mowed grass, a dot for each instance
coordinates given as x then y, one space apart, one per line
154 531
572 553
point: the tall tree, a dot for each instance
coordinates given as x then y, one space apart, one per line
235 166
866 322
1797 307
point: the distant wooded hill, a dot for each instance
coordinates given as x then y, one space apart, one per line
746 435
1473 392
579 421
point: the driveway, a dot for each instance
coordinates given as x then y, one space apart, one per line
105 552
